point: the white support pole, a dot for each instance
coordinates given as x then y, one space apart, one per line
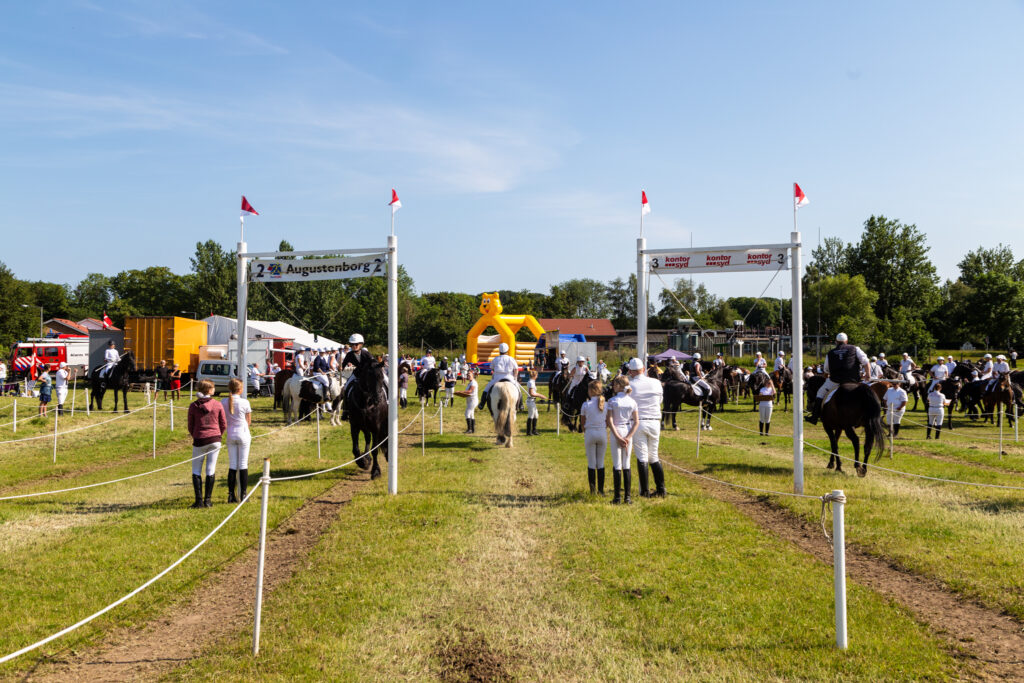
74 395
558 420
14 425
243 314
839 566
797 336
1000 413
700 427
87 406
317 431
423 430
892 413
393 361
440 420
171 406
1016 422
154 426
190 383
56 419
265 481
641 300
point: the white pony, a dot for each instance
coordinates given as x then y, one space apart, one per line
298 389
504 398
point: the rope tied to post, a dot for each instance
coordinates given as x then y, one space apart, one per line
826 507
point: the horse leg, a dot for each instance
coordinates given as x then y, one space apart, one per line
124 399
833 459
675 413
858 467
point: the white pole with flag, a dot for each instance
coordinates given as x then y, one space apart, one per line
395 205
243 297
796 332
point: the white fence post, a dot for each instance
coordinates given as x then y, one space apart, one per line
56 419
154 426
74 395
440 421
1000 412
700 416
423 430
892 414
317 431
1016 429
14 425
839 566
171 404
265 481
558 419
87 407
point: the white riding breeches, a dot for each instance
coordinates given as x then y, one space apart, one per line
209 453
471 403
828 386
595 443
238 451
893 416
645 440
620 454
765 411
935 416
531 407
62 393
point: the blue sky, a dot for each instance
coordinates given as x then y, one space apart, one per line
518 135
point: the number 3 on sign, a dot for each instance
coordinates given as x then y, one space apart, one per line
780 258
654 262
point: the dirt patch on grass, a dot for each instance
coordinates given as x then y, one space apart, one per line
992 640
468 657
214 611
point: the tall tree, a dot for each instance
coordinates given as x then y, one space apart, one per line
214 281
684 299
92 295
579 298
893 260
828 259
18 317
847 305
152 291
994 309
996 260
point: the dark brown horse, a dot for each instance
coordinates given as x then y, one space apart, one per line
117 380
853 406
367 407
998 398
556 385
279 382
783 379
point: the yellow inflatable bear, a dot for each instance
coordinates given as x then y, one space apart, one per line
506 325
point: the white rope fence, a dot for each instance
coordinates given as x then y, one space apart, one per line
148 406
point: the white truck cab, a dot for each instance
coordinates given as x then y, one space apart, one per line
219 372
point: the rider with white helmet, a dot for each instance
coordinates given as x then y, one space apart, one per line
697 378
780 361
907 367
876 369
359 358
844 364
1000 368
987 367
939 372
578 373
882 361
504 369
760 364
426 364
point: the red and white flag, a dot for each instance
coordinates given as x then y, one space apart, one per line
395 202
645 206
247 207
799 198
107 322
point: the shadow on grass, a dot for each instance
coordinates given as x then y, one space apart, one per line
743 468
511 500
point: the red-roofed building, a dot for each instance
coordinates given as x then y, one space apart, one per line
94 324
64 326
599 330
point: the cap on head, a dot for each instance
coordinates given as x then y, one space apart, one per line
906 355
874 357
719 353
62 364
110 343
1000 357
782 353
355 339
635 364
581 359
988 355
696 356
842 338
941 358
502 347
758 353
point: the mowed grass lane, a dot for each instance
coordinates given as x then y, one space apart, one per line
964 536
493 562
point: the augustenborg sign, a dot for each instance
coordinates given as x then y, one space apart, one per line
300 270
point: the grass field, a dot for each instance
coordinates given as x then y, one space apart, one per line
495 561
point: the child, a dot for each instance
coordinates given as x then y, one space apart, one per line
176 383
449 386
45 391
206 424
403 385
531 404
765 397
471 401
238 412
622 416
593 420
937 402
894 403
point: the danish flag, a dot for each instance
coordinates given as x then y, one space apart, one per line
107 322
395 202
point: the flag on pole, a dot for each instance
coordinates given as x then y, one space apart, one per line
395 202
247 207
799 198
107 322
645 206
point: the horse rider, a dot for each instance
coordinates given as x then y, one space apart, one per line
1000 368
334 360
882 361
254 378
939 372
321 366
602 371
719 360
647 394
760 364
986 367
845 364
674 372
876 369
578 373
907 367
504 369
110 358
780 361
950 365
426 365
301 364
697 376
357 357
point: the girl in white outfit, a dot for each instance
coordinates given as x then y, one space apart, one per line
622 416
937 402
238 412
531 404
593 419
471 401
765 397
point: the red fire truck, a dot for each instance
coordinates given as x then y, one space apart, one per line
28 356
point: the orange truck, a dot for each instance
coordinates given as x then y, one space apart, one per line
170 338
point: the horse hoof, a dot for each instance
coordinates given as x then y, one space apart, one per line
675 428
862 471
375 474
830 466
363 463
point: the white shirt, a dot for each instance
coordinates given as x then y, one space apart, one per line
939 371
504 367
594 416
237 425
579 372
876 371
986 370
471 388
531 388
883 362
906 365
426 363
760 363
1001 366
951 366
780 363
111 356
936 401
62 378
3 370
895 397
647 393
621 408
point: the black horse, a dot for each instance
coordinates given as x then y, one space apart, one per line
118 379
852 406
367 406
556 385
783 379
677 393
572 403
430 382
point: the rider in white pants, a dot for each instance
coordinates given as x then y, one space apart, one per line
647 394
593 418
894 404
621 416
831 382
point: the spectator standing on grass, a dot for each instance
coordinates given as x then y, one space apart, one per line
531 403
3 374
622 417
61 385
449 386
175 378
937 403
766 399
45 389
1013 358
593 421
894 404
163 379
647 393
470 394
403 385
206 425
238 413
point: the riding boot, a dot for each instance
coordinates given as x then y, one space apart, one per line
928 432
472 425
659 479
617 483
208 493
815 411
592 480
197 488
535 432
896 430
938 431
760 428
641 470
232 475
469 426
627 484
243 483
600 481
767 428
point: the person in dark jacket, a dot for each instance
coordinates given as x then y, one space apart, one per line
206 425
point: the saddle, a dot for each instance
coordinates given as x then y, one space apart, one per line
847 387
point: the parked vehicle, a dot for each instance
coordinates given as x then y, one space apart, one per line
170 338
29 356
220 371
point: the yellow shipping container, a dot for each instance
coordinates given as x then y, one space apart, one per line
170 338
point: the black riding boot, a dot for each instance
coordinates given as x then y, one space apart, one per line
938 431
232 475
197 487
592 480
627 484
208 493
600 481
815 411
767 428
659 479
617 482
469 426
895 430
243 483
928 432
472 425
641 470
760 428
535 432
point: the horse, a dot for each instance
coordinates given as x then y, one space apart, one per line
676 393
310 394
367 407
118 379
572 403
852 406
429 382
756 380
1001 394
783 379
504 398
279 382
291 400
556 385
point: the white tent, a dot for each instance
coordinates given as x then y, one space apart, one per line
219 330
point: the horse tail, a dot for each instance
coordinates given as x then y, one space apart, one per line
874 431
